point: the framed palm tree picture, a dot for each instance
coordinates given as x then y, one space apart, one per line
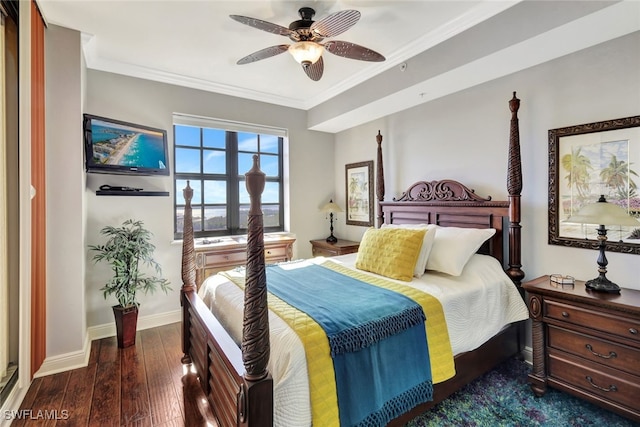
585 162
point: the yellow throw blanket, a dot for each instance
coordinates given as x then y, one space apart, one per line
323 394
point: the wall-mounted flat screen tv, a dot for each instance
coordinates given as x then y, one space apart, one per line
117 147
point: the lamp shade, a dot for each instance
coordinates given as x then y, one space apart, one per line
331 207
306 52
603 213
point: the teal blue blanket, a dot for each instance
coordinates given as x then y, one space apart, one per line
376 336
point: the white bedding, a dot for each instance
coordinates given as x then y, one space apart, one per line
477 305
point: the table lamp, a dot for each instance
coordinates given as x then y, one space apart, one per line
604 214
330 208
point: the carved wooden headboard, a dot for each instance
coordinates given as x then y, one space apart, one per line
440 202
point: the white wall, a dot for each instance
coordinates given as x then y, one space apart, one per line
465 137
66 318
310 164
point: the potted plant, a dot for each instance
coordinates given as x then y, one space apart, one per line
127 249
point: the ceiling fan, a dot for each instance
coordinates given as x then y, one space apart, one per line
306 35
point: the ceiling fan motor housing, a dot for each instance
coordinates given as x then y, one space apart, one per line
302 27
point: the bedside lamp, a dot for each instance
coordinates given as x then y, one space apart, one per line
604 214
330 208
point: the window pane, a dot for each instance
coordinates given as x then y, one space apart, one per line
247 141
269 165
270 218
216 218
245 163
213 138
269 144
197 192
187 160
271 215
214 161
244 217
215 192
187 135
243 193
271 193
179 220
197 218
195 214
181 184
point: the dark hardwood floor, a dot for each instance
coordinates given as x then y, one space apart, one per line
142 385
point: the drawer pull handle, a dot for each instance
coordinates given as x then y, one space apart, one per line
612 354
633 331
611 387
565 314
268 252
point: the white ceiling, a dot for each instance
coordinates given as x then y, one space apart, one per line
196 44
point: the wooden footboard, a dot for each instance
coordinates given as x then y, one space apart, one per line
217 360
235 379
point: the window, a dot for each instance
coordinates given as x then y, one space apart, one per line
214 155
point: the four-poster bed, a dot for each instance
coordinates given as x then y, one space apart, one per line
236 380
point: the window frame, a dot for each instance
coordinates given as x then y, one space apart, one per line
232 176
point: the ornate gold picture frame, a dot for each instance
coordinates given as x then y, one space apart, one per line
586 161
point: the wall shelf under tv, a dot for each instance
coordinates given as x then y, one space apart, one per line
130 193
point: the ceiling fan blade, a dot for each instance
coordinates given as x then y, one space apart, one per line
352 51
262 25
267 52
314 71
336 23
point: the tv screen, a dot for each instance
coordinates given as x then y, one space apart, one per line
117 147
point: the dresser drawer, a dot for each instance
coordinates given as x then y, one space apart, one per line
601 321
321 247
601 351
324 252
226 258
275 254
596 380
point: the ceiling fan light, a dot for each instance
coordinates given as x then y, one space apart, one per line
306 52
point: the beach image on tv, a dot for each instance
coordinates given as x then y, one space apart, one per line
122 145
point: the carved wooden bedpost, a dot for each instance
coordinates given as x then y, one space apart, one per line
188 268
514 186
256 395
380 180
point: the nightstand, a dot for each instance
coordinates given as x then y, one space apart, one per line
321 247
586 343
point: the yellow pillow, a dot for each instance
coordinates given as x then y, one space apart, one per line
390 252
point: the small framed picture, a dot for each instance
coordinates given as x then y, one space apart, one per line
359 191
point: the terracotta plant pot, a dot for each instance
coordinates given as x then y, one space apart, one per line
126 324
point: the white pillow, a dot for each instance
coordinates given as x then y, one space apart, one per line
453 247
427 243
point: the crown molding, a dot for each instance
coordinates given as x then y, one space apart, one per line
483 11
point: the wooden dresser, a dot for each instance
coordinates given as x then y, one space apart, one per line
586 344
229 252
321 247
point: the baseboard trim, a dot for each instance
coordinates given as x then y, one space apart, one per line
527 354
12 403
79 359
65 362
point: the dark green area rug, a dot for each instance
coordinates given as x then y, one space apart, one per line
503 397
